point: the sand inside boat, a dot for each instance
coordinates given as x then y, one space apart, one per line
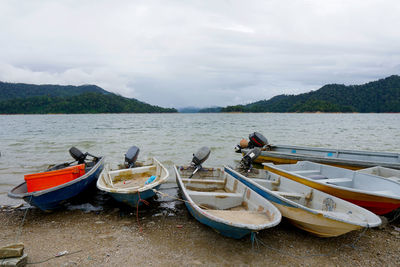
128 179
242 216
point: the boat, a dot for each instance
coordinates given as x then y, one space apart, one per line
372 192
134 181
49 190
289 154
309 209
383 172
216 199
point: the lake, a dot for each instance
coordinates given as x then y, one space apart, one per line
29 143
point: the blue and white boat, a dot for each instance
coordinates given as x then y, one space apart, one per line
53 198
221 202
134 182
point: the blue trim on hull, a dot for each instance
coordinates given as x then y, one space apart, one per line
223 229
258 189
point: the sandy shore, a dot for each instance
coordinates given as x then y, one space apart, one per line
113 238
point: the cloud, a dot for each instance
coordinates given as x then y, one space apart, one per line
204 53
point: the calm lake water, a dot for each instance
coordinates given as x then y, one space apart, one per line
29 143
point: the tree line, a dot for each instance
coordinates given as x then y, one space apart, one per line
89 102
378 96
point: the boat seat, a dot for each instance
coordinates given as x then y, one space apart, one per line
217 200
339 181
307 172
290 194
203 181
317 177
265 181
216 194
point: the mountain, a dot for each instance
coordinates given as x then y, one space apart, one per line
23 90
188 110
200 110
19 98
378 96
210 110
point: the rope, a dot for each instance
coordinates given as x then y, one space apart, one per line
176 198
137 210
56 256
395 216
23 221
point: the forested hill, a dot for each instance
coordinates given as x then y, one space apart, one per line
378 96
19 98
23 90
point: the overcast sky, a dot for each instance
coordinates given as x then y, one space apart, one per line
199 53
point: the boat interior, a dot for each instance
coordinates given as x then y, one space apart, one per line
301 194
224 197
341 177
133 177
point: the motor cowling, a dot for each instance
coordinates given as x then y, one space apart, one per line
257 140
200 156
131 156
77 155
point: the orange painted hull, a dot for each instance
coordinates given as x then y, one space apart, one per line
377 204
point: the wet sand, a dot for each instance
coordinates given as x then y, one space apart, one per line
113 238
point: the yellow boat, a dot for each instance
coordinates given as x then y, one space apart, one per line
309 209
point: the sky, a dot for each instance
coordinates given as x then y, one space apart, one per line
199 53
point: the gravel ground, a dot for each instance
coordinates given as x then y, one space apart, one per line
113 237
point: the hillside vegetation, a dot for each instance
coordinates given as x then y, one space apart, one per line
21 98
378 96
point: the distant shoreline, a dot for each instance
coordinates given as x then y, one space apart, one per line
318 112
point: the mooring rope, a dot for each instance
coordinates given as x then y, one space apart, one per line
395 216
176 198
18 235
56 256
137 210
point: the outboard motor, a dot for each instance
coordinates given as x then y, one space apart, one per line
198 158
131 156
247 161
257 140
77 155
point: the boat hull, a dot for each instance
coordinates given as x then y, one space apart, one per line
315 224
51 199
132 199
221 228
349 159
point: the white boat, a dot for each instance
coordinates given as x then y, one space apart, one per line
131 185
309 209
223 203
388 173
372 192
